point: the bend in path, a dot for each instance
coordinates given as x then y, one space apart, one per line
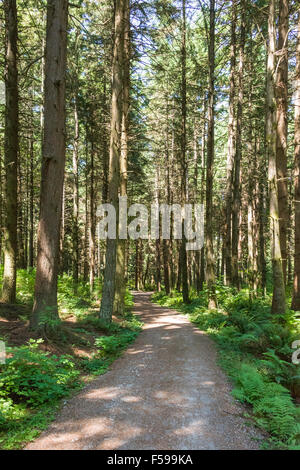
165 392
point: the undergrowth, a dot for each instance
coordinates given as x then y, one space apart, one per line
255 351
33 381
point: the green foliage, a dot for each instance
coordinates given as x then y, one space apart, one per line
255 351
272 404
115 343
23 425
25 285
9 412
118 337
32 381
96 365
68 300
35 377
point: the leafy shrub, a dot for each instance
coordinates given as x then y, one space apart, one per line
115 343
34 377
96 365
10 411
272 403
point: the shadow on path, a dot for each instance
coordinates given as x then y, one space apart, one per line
165 392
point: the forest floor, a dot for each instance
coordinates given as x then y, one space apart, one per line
164 392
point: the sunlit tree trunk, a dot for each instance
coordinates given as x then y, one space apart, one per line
31 202
92 215
238 153
202 194
210 259
75 231
278 303
281 146
231 147
108 293
296 291
120 288
53 163
11 151
183 253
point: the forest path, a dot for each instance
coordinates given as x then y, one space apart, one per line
165 392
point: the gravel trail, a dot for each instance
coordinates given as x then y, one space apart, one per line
165 392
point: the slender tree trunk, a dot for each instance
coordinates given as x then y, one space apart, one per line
296 291
108 293
120 288
31 203
166 243
75 247
282 127
86 211
210 259
262 221
202 196
231 148
92 227
53 163
158 264
11 152
137 264
21 227
105 145
183 254
238 153
278 303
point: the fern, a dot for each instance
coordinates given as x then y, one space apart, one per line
272 404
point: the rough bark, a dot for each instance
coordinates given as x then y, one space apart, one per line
10 152
231 147
278 302
120 287
210 259
31 204
296 290
53 163
238 153
92 224
183 254
108 293
75 231
282 127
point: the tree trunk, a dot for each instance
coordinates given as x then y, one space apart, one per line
210 261
53 163
183 254
282 127
120 288
231 148
75 231
31 204
11 151
296 291
108 293
92 225
158 263
238 153
278 303
262 223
